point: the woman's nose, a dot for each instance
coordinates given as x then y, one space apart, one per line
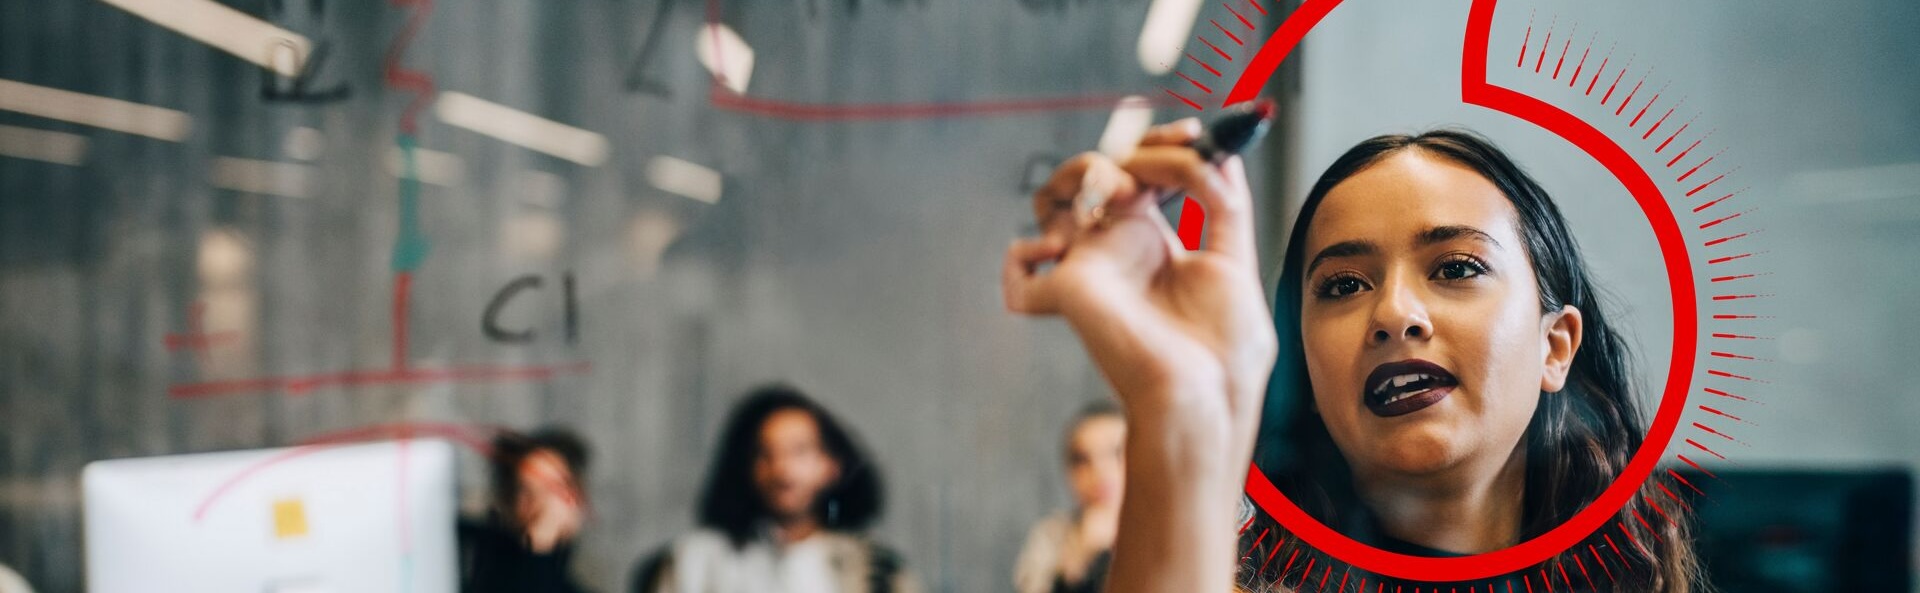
1399 314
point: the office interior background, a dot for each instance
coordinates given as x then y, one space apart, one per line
619 215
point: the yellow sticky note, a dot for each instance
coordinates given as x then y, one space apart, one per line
289 518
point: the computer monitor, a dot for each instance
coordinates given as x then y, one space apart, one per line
320 519
1804 531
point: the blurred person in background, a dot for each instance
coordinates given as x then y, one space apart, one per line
1068 552
786 502
10 581
525 543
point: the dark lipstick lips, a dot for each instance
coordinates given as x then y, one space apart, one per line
1432 385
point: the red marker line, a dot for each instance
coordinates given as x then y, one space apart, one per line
1696 466
1202 64
1724 394
1704 185
1669 140
1615 85
417 81
1683 482
1600 561
1525 42
1670 496
1690 172
1655 505
1634 541
725 99
462 434
1730 278
1657 122
1715 201
301 384
1598 71
1643 113
1182 98
1711 430
1730 355
1630 94
1712 410
1724 239
1563 58
1257 6
1697 445
1203 88
1543 51
1269 560
1216 49
1683 153
402 294
1243 18
1732 316
1722 260
1582 64
1230 35
1727 375
1705 225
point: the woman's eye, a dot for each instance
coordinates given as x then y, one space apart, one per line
1459 269
1340 286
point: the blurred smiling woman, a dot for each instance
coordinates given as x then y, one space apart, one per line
1450 380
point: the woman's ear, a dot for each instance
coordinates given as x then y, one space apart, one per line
1560 333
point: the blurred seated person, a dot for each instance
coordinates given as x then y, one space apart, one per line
786 502
11 582
1068 552
525 543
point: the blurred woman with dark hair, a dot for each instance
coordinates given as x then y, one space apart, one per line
786 501
1069 551
525 544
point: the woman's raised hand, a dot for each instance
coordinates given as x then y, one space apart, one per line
1185 338
1170 328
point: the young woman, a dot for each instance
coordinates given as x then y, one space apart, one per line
527 540
1069 551
1451 381
787 500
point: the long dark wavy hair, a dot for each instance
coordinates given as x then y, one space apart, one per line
1577 442
731 503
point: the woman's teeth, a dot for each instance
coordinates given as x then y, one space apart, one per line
1399 381
1406 395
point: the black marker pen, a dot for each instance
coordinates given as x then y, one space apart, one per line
1239 129
1228 135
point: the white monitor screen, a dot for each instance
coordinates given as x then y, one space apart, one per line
355 518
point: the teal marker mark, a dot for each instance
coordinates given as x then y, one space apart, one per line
410 248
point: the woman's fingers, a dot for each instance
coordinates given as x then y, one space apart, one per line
1222 192
1177 133
1023 290
1081 188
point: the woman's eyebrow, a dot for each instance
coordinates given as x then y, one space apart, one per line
1454 231
1343 249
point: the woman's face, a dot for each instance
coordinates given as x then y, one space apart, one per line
1421 320
793 467
1096 461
